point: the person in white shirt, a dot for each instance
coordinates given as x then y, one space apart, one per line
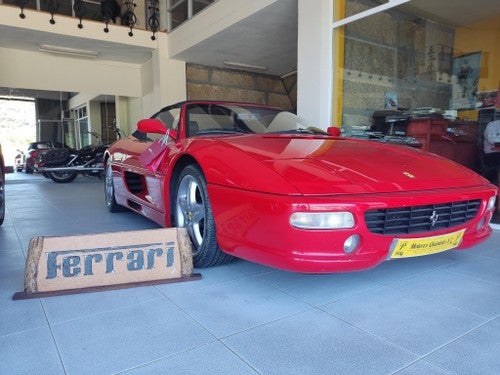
492 150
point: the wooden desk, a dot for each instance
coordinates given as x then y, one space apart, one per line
460 145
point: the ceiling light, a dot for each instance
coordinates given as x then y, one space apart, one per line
290 73
68 51
244 65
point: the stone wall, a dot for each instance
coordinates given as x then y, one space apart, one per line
394 52
211 83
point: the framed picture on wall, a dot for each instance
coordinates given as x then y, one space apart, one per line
465 80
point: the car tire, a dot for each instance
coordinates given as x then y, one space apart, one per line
62 177
109 191
192 210
29 170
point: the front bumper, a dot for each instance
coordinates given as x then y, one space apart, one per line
255 226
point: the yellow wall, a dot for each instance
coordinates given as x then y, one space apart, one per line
338 64
482 36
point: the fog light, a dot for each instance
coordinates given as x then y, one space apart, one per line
322 220
491 203
351 243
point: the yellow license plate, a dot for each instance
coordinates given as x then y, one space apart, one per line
414 247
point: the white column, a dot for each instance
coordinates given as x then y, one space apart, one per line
169 76
164 15
314 61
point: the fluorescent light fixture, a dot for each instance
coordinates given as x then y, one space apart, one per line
390 4
68 51
244 65
290 73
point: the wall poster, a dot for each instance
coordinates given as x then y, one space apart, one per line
465 80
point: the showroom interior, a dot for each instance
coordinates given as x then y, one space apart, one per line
421 73
383 72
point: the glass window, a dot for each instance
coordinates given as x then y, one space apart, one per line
393 60
179 10
83 137
170 118
203 119
417 72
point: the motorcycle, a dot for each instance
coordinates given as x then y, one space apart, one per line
63 165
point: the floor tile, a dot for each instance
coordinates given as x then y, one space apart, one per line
417 324
480 267
319 290
394 271
63 308
249 268
210 359
28 353
477 352
8 239
422 368
118 340
457 290
19 316
315 343
209 277
225 309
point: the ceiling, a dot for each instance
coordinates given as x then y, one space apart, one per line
30 40
267 38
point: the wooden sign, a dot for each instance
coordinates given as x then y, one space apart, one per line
87 263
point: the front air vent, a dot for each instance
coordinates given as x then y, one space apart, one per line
421 219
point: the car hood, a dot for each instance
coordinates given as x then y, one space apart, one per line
325 165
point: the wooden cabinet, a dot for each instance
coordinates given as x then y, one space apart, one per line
457 140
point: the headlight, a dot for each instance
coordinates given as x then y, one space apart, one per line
322 220
491 203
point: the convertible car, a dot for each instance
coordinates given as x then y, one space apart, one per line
259 183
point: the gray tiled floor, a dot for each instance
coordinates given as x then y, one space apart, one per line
432 315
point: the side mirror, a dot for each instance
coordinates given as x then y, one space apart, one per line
152 125
333 131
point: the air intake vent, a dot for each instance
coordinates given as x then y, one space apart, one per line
421 219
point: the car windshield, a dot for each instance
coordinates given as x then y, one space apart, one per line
208 118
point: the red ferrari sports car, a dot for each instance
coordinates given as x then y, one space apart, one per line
258 183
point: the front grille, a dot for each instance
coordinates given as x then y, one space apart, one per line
418 219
